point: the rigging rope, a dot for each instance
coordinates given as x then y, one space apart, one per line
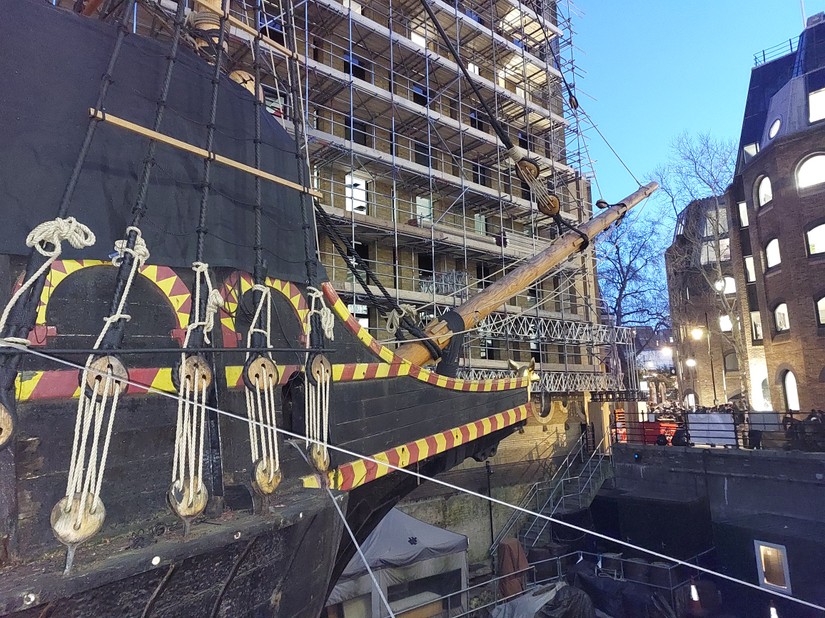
318 307
352 454
260 378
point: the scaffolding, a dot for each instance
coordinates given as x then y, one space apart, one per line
413 175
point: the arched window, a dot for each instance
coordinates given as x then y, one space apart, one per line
731 362
791 393
780 318
816 239
764 192
726 284
811 171
772 256
775 125
820 311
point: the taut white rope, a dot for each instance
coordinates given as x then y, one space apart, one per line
261 380
188 494
79 515
155 391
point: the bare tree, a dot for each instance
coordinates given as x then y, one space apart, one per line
631 279
698 173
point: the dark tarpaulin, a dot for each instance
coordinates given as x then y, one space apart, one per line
51 63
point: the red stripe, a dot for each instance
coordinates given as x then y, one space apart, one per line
393 457
372 369
432 444
55 384
347 476
348 373
465 434
450 438
412 447
372 471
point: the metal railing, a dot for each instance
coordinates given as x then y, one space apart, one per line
572 491
755 430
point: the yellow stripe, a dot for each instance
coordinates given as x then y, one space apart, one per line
382 371
233 374
25 383
441 443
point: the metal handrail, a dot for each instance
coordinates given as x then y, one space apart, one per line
533 492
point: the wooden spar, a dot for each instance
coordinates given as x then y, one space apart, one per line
483 304
200 152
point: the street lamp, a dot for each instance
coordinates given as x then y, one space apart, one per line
697 333
691 362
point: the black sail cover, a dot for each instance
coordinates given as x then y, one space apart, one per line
51 64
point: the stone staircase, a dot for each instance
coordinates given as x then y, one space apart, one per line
572 488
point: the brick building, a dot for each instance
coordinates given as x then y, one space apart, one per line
774 239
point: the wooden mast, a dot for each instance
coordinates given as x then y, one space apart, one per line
497 294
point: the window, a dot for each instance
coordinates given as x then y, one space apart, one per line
820 311
811 172
750 269
756 325
772 565
743 214
816 240
418 39
716 222
749 151
772 257
775 125
420 94
725 323
816 105
725 285
423 208
472 68
480 224
353 6
780 317
791 392
709 255
731 362
764 192
355 194
357 67
422 154
476 122
481 175
357 131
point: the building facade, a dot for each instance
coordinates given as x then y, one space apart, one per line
778 224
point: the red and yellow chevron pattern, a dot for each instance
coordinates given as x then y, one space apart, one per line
163 277
356 473
237 284
397 366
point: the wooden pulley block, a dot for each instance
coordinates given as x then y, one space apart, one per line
196 370
549 205
527 170
183 502
264 480
320 367
98 369
257 369
319 457
7 422
64 519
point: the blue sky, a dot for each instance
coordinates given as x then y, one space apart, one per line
653 69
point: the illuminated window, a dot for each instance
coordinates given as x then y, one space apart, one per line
772 564
355 194
791 392
709 251
750 269
816 105
725 323
353 6
743 214
756 326
781 319
423 208
811 172
472 68
418 39
772 257
726 285
749 151
820 311
764 192
774 128
816 240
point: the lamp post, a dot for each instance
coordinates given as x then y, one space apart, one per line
696 334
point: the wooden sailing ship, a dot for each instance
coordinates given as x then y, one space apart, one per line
180 384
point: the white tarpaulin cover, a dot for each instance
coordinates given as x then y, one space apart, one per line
401 540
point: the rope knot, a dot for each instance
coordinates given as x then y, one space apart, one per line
55 232
396 315
140 251
318 307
